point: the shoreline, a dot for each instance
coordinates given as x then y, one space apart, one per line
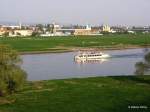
89 77
82 78
75 49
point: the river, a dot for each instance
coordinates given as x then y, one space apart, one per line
62 65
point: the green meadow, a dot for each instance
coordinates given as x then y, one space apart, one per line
29 44
100 94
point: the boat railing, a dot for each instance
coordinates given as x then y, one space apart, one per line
88 53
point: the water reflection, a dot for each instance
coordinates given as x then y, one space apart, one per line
143 67
85 61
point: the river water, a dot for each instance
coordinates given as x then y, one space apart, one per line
63 66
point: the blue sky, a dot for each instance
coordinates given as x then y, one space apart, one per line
95 12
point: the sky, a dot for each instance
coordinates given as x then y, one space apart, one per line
94 12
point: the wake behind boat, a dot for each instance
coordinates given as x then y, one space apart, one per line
91 56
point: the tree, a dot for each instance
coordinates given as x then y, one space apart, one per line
6 34
18 34
34 34
40 27
143 67
50 28
12 77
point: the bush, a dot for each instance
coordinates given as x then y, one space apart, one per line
12 77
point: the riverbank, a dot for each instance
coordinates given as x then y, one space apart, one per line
76 49
99 94
29 45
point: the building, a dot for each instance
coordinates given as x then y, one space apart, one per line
23 32
140 29
57 30
86 31
119 29
106 28
3 31
73 31
13 27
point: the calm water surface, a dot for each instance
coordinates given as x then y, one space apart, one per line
62 65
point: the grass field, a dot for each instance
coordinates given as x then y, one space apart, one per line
29 44
104 94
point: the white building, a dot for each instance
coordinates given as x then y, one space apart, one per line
23 32
107 28
132 32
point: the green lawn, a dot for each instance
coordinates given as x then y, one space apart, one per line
27 44
101 94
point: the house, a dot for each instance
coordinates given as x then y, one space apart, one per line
3 31
23 32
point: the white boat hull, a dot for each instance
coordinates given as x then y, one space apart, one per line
91 60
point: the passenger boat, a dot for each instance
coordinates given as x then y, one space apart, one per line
91 55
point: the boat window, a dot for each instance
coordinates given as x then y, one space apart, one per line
90 55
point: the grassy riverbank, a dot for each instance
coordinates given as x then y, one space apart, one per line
61 44
101 94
